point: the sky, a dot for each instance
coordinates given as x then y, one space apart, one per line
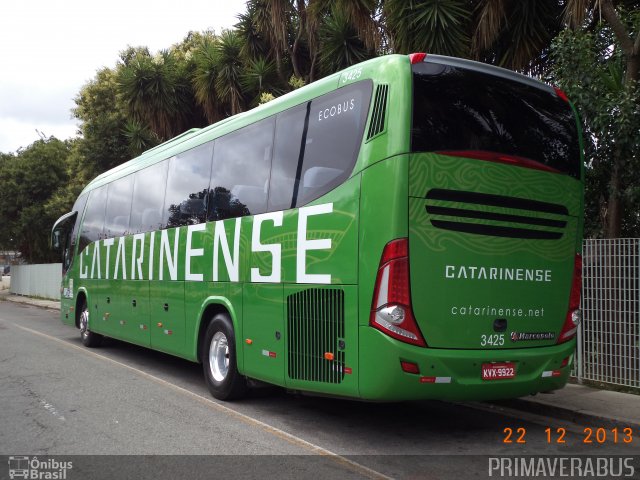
50 49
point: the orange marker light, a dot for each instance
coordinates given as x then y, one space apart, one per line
248 341
159 324
328 356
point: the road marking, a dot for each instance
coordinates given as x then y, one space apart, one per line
294 440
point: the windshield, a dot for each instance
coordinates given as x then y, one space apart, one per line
457 109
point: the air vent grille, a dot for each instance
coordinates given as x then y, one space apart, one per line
315 327
379 111
467 212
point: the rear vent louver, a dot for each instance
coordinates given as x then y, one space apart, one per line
315 327
467 212
379 111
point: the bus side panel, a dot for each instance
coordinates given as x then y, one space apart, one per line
383 217
320 293
166 317
264 339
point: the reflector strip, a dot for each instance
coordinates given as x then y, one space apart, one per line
348 370
122 322
551 373
168 332
269 354
435 379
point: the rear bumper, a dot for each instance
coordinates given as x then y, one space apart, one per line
455 374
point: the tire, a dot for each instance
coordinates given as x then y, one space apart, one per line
88 338
219 360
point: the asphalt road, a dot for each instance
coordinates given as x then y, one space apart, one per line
58 398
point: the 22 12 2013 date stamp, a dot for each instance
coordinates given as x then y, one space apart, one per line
559 435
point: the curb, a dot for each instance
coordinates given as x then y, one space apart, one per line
48 304
592 419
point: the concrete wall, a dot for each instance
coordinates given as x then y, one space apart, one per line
37 280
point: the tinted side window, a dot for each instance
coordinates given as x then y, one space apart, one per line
185 202
116 222
332 134
148 198
286 156
240 176
93 217
78 206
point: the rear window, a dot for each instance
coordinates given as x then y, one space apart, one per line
458 109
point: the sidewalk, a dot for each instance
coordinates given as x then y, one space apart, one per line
589 406
576 403
51 304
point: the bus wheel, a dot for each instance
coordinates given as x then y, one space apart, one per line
219 360
89 339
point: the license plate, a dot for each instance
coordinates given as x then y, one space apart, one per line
498 371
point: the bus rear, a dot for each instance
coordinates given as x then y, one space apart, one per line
481 299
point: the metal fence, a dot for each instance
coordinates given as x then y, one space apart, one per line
609 336
36 280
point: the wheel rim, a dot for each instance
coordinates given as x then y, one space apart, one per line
84 322
219 357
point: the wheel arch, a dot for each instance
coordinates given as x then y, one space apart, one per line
211 307
80 295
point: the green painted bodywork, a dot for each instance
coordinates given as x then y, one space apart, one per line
383 199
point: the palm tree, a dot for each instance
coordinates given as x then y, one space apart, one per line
205 59
155 93
260 77
341 46
228 82
514 34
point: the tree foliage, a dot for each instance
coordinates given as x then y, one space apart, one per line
33 184
593 67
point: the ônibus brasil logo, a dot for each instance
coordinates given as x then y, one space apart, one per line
32 468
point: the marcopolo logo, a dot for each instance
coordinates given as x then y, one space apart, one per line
33 468
531 336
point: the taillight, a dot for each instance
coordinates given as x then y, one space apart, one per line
391 310
561 94
574 315
416 57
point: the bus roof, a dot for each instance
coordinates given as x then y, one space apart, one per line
381 69
194 137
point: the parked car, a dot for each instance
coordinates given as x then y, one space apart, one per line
6 270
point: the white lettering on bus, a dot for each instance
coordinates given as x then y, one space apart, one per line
137 262
497 273
170 252
151 245
220 241
275 248
165 254
108 243
96 260
336 110
84 270
193 252
120 260
305 244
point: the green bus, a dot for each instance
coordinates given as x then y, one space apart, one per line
408 228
